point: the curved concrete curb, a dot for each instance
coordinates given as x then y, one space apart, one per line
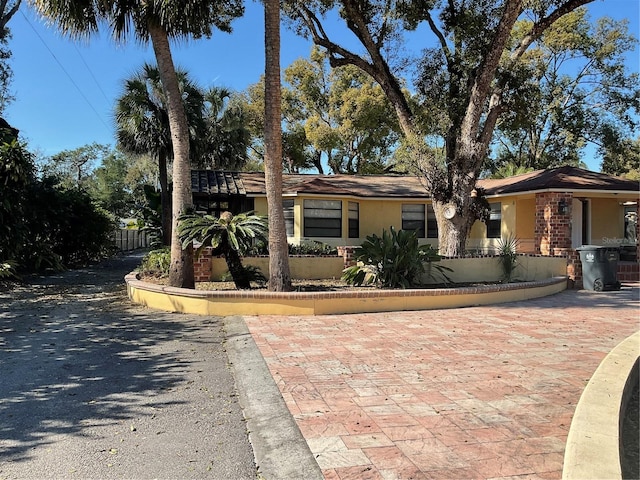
280 450
593 445
261 302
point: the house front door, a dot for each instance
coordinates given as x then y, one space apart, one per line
580 223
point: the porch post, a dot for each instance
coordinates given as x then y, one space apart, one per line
553 230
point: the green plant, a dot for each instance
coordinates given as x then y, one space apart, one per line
8 270
312 248
156 262
508 257
395 260
230 236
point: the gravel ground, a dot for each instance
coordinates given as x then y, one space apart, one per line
94 387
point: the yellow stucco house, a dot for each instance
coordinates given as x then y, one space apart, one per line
550 212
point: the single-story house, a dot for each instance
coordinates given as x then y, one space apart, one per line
550 212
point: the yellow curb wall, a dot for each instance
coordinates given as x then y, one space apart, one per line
326 303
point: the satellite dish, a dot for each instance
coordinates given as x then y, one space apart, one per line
449 212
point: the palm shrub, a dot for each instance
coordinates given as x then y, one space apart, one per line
508 257
230 236
394 260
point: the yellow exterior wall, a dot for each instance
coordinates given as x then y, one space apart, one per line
607 221
488 269
260 205
310 268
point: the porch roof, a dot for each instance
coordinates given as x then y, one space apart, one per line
561 178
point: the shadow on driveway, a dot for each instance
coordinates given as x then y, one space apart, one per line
93 386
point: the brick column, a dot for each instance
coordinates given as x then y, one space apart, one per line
553 231
348 255
202 266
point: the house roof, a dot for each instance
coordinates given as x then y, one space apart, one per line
561 178
398 186
354 185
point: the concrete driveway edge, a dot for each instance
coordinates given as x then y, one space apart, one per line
280 450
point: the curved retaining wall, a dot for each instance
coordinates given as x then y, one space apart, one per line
594 444
260 302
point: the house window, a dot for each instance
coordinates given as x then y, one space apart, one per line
211 207
354 220
323 218
287 207
432 224
494 224
413 218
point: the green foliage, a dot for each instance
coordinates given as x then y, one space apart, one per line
395 260
339 113
149 216
156 262
572 88
16 176
8 270
508 257
230 235
67 223
312 248
238 230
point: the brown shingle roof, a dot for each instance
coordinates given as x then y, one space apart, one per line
561 178
356 185
216 182
398 186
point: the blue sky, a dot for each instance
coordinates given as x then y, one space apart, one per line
65 89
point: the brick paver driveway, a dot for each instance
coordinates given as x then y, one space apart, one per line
482 392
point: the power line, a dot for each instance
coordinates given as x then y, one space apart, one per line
66 72
91 73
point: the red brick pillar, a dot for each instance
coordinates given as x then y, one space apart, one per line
348 255
553 231
202 266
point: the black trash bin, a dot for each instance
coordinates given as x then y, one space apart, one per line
599 267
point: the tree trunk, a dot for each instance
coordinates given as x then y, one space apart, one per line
234 264
165 199
279 274
181 272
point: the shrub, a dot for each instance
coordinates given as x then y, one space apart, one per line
312 248
508 257
395 260
156 262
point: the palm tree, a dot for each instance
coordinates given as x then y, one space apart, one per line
142 125
156 22
279 274
227 137
229 236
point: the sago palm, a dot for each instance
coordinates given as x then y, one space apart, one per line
230 236
155 21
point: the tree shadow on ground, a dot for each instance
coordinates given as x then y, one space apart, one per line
75 355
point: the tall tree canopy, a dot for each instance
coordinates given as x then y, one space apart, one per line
466 82
157 22
574 89
8 8
142 125
338 116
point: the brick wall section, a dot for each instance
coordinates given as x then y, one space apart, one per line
553 229
553 232
348 255
202 266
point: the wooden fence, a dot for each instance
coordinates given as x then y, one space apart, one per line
127 239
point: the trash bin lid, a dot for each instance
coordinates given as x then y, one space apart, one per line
590 248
